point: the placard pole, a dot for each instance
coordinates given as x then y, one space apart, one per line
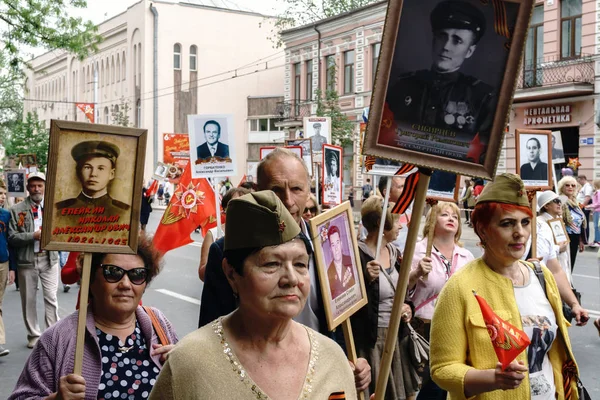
217 209
534 225
316 185
391 339
350 347
386 201
83 306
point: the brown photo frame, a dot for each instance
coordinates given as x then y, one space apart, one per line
341 299
461 128
307 156
93 188
535 173
332 185
559 231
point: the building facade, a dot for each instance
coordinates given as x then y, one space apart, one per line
166 61
557 79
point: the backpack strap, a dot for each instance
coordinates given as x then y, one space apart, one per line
160 332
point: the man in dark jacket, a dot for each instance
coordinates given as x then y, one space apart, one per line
212 147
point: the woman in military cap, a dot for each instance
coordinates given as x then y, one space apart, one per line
258 351
462 360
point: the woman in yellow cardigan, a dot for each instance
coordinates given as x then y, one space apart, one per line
463 360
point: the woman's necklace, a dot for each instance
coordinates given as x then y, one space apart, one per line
515 281
122 349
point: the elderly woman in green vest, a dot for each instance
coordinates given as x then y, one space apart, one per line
258 351
463 360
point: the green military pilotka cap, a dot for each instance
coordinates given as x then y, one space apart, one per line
506 188
95 148
257 220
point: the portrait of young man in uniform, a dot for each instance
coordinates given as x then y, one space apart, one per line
212 147
534 169
339 272
96 161
318 140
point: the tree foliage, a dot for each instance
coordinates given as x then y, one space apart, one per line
44 23
28 136
120 113
303 12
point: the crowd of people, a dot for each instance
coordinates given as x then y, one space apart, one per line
262 317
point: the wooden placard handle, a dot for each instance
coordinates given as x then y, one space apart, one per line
83 305
430 237
534 226
391 339
350 347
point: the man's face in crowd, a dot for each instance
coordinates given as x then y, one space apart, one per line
2 196
533 151
35 187
95 174
396 189
450 49
211 133
287 178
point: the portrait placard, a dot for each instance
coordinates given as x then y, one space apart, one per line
93 188
28 160
307 156
264 151
213 138
558 152
559 231
332 175
338 264
533 158
176 153
443 186
15 182
444 83
161 171
318 129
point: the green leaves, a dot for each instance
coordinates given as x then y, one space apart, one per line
28 137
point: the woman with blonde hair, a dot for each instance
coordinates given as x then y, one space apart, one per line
572 215
312 208
429 273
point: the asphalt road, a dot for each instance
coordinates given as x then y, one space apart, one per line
177 291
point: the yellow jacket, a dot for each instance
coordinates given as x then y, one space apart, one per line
460 340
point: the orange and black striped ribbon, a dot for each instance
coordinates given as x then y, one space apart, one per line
569 371
369 162
337 396
500 22
409 191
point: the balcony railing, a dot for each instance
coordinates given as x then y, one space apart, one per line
293 109
554 71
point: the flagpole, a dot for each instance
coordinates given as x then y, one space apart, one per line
317 184
218 208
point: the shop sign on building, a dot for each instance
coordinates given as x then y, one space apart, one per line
559 114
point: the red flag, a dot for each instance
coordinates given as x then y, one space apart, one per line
508 340
88 110
192 205
152 189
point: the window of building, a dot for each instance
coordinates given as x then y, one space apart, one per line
106 116
123 65
309 80
177 56
330 72
534 49
263 125
193 58
349 72
138 113
375 50
570 12
297 72
118 71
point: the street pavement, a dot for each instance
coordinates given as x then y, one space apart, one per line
177 292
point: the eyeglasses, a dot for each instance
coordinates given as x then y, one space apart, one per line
557 201
312 210
570 185
113 274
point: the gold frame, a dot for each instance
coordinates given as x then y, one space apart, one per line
564 228
315 224
57 128
541 132
505 95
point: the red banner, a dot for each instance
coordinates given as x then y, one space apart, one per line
176 152
88 110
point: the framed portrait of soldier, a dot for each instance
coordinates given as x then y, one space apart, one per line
443 186
338 264
444 82
15 182
161 171
212 145
318 129
534 155
332 175
558 152
559 231
93 188
28 160
307 156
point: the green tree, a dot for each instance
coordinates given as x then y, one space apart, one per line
44 24
29 136
303 12
119 114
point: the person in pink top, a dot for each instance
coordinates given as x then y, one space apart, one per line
429 274
595 207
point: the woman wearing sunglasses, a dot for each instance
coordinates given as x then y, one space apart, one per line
572 215
122 350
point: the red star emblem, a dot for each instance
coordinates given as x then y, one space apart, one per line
475 149
281 226
188 200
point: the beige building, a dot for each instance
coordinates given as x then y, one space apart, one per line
559 70
166 60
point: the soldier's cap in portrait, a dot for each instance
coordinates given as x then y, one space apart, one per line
317 125
95 148
257 220
36 175
456 14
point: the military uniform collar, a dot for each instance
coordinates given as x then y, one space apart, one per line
449 77
84 197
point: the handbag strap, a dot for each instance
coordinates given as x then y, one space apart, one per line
429 300
160 332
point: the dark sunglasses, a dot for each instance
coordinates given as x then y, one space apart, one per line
313 210
557 201
113 274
